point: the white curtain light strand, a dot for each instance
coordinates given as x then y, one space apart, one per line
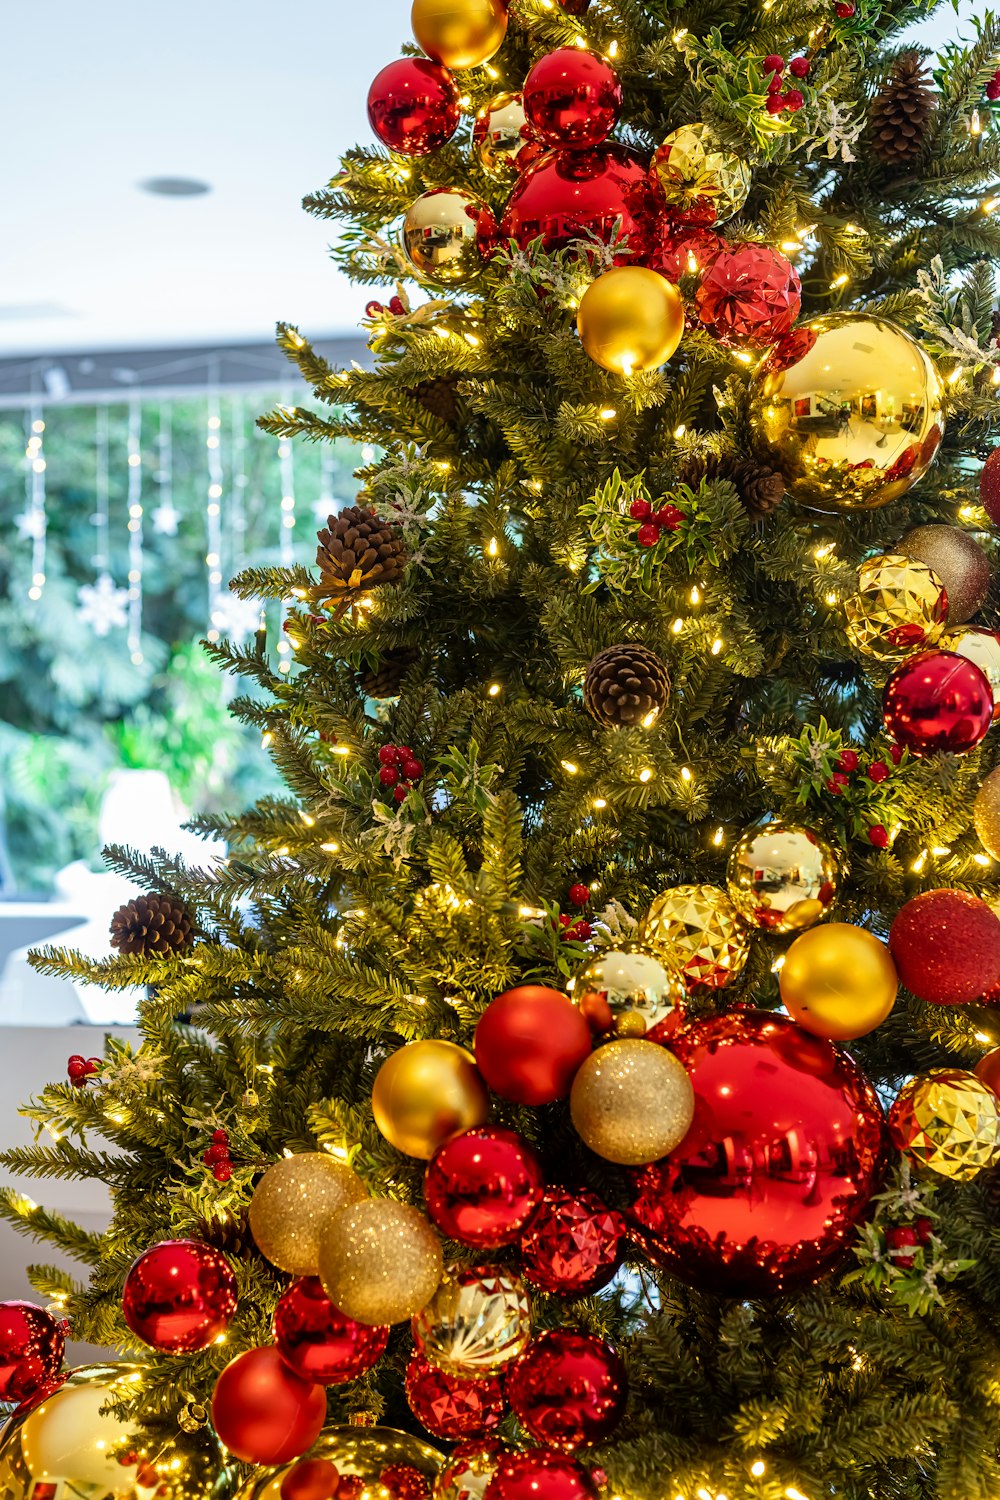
166 518
238 499
286 540
213 519
102 510
326 503
135 531
34 521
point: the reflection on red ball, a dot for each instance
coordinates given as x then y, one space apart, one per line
685 250
318 1341
568 1388
262 1412
179 1296
572 98
540 1474
937 700
413 106
529 1043
451 1408
946 947
988 1070
571 1246
312 1479
482 1186
32 1343
570 198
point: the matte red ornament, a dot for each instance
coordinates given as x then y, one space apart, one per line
529 1043
989 487
413 106
179 1296
749 294
786 1149
567 197
571 1247
540 1474
572 98
263 1412
568 1388
685 250
318 1341
937 700
312 1479
451 1408
482 1186
32 1343
946 947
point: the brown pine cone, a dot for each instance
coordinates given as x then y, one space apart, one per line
153 926
761 489
440 397
386 679
626 684
900 113
357 551
231 1235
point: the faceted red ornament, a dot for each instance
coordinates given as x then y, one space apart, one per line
320 1342
571 1246
451 1408
786 1149
685 250
572 98
540 1474
946 947
482 1186
179 1296
529 1043
312 1479
262 1412
404 1482
570 196
32 1343
568 1388
937 700
749 294
989 487
413 106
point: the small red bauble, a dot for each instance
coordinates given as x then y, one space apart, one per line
529 1043
570 196
451 1408
937 700
572 98
900 1239
750 294
400 793
482 1186
773 63
946 947
989 487
320 1342
685 250
639 510
775 103
878 836
32 1344
222 1171
988 1070
388 776
312 1479
571 1246
262 1412
413 106
540 1474
179 1296
568 1388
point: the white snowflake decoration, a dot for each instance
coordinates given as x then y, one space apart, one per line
166 519
237 618
30 525
103 607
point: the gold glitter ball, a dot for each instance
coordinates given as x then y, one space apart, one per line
986 813
631 1102
699 179
380 1261
629 979
292 1205
697 928
468 1471
982 647
351 1452
947 1121
477 1322
782 877
900 606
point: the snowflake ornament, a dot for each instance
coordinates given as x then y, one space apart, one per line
236 618
30 525
166 519
103 607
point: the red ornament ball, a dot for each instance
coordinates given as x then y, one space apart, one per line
568 1388
572 98
570 196
685 250
987 1070
529 1043
482 1186
749 294
263 1412
413 106
989 487
404 1482
312 1479
785 1151
318 1341
451 1408
179 1296
540 1474
946 947
571 1247
937 700
32 1344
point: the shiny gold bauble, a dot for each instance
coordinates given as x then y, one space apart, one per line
427 1092
958 560
631 1102
468 1471
477 1323
900 606
292 1204
697 929
986 813
782 877
948 1121
630 980
459 33
981 647
356 1453
500 133
442 233
838 981
380 1261
630 319
700 180
849 408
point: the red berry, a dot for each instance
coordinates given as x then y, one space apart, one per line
396 306
775 84
388 755
773 63
565 920
878 771
582 931
413 769
793 100
78 1080
372 309
405 753
77 1069
901 1237
401 792
993 89
847 760
775 104
799 67
579 893
76 1061
648 534
896 754
878 836
669 517
844 9
924 1228
220 1137
640 510
216 1153
836 783
222 1171
388 776
94 1064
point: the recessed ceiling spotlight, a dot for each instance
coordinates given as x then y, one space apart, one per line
175 187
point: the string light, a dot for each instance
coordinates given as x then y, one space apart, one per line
835 284
330 848
494 690
686 773
677 626
600 803
608 414
982 859
919 862
717 645
646 774
695 594
569 767
718 836
492 547
34 522
758 1467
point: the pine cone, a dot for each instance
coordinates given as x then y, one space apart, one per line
153 926
900 114
626 684
357 551
761 489
386 680
440 397
231 1235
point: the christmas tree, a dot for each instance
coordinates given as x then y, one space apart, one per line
591 1061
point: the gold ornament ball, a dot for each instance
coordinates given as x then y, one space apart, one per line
380 1261
838 981
900 606
468 1471
981 647
630 980
459 33
292 1204
986 813
444 235
356 1453
782 877
697 928
631 1102
958 560
427 1092
948 1121
500 133
850 409
630 319
477 1322
700 180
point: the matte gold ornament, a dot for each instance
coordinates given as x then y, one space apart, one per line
948 1121
631 1102
445 234
362 1453
986 814
958 560
850 409
900 606
782 877
459 33
697 928
501 131
380 1261
427 1092
630 319
702 182
630 980
981 647
838 981
292 1204
477 1323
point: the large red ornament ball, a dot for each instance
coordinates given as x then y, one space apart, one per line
312 1479
451 1408
413 106
568 1388
989 487
540 1474
482 1186
749 294
568 197
572 98
937 700
946 947
318 1341
263 1412
529 1043
179 1296
32 1344
786 1149
572 1246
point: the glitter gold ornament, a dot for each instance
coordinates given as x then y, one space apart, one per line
446 232
948 1121
958 560
986 813
838 981
782 876
501 133
477 1322
459 33
363 1454
631 1102
628 980
425 1093
380 1261
981 647
292 1204
630 319
900 605
697 928
700 181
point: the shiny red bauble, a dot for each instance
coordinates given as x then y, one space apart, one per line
312 1479
529 1043
540 1474
413 106
261 1410
451 1408
987 1070
572 1246
568 1388
785 1151
749 295
989 486
572 98
482 1186
685 250
318 1341
179 1296
946 947
570 198
937 700
32 1344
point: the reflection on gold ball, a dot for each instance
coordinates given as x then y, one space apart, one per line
697 928
292 1204
445 234
380 1261
468 1471
500 133
986 813
838 981
630 319
958 560
947 1120
849 408
355 1453
477 1322
631 1102
701 182
627 980
67 1441
981 647
900 606
425 1093
781 876
459 33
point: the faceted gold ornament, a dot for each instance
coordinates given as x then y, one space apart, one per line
477 1322
948 1121
782 877
630 980
697 928
441 235
986 813
699 179
500 132
900 606
380 1261
292 1204
631 1102
354 1452
468 1471
981 647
